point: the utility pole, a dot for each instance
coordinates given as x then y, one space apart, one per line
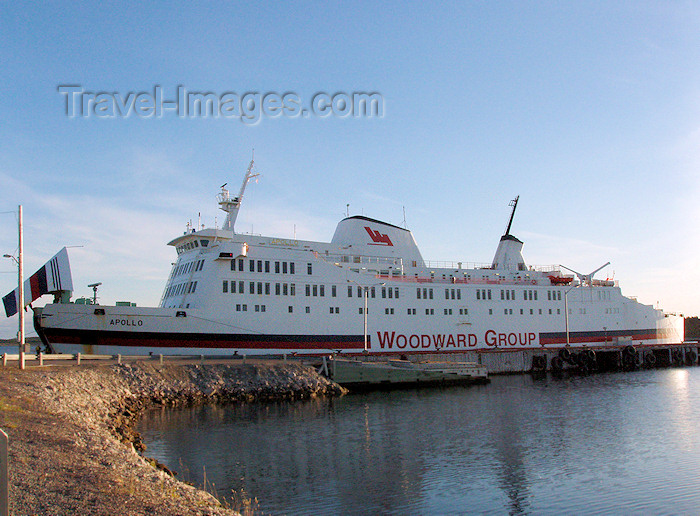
20 335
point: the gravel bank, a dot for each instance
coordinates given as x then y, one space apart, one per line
73 449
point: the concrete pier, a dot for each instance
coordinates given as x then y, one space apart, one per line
581 359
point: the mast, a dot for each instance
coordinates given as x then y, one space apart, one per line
232 205
514 204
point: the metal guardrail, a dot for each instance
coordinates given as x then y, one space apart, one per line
65 358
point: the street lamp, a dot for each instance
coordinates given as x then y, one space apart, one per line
364 311
20 287
566 311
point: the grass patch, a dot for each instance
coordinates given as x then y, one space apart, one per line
8 407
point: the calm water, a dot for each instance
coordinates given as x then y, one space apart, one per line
611 443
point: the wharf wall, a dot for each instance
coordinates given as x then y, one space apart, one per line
581 359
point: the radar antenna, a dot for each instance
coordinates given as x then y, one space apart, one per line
94 286
585 279
514 204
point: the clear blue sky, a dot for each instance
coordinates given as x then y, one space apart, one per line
590 111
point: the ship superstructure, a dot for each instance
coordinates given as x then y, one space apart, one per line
367 290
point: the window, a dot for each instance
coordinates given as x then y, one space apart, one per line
225 286
284 289
396 292
233 287
315 290
277 289
290 309
260 266
418 293
251 287
308 309
251 266
322 290
308 290
267 289
277 267
240 265
308 268
349 291
267 265
284 267
333 292
292 289
291 268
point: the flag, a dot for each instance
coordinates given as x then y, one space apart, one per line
54 276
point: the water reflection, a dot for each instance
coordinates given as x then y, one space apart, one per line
517 446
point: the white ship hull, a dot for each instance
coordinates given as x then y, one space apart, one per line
231 293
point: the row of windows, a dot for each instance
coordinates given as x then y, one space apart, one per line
186 268
238 287
509 311
482 293
424 293
244 308
410 311
386 292
450 293
193 244
319 290
554 295
266 266
183 288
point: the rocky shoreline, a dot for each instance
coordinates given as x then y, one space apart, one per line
73 444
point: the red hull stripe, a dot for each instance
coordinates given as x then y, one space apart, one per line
610 337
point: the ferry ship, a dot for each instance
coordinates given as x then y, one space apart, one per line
366 291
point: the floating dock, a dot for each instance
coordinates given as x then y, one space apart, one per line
363 374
